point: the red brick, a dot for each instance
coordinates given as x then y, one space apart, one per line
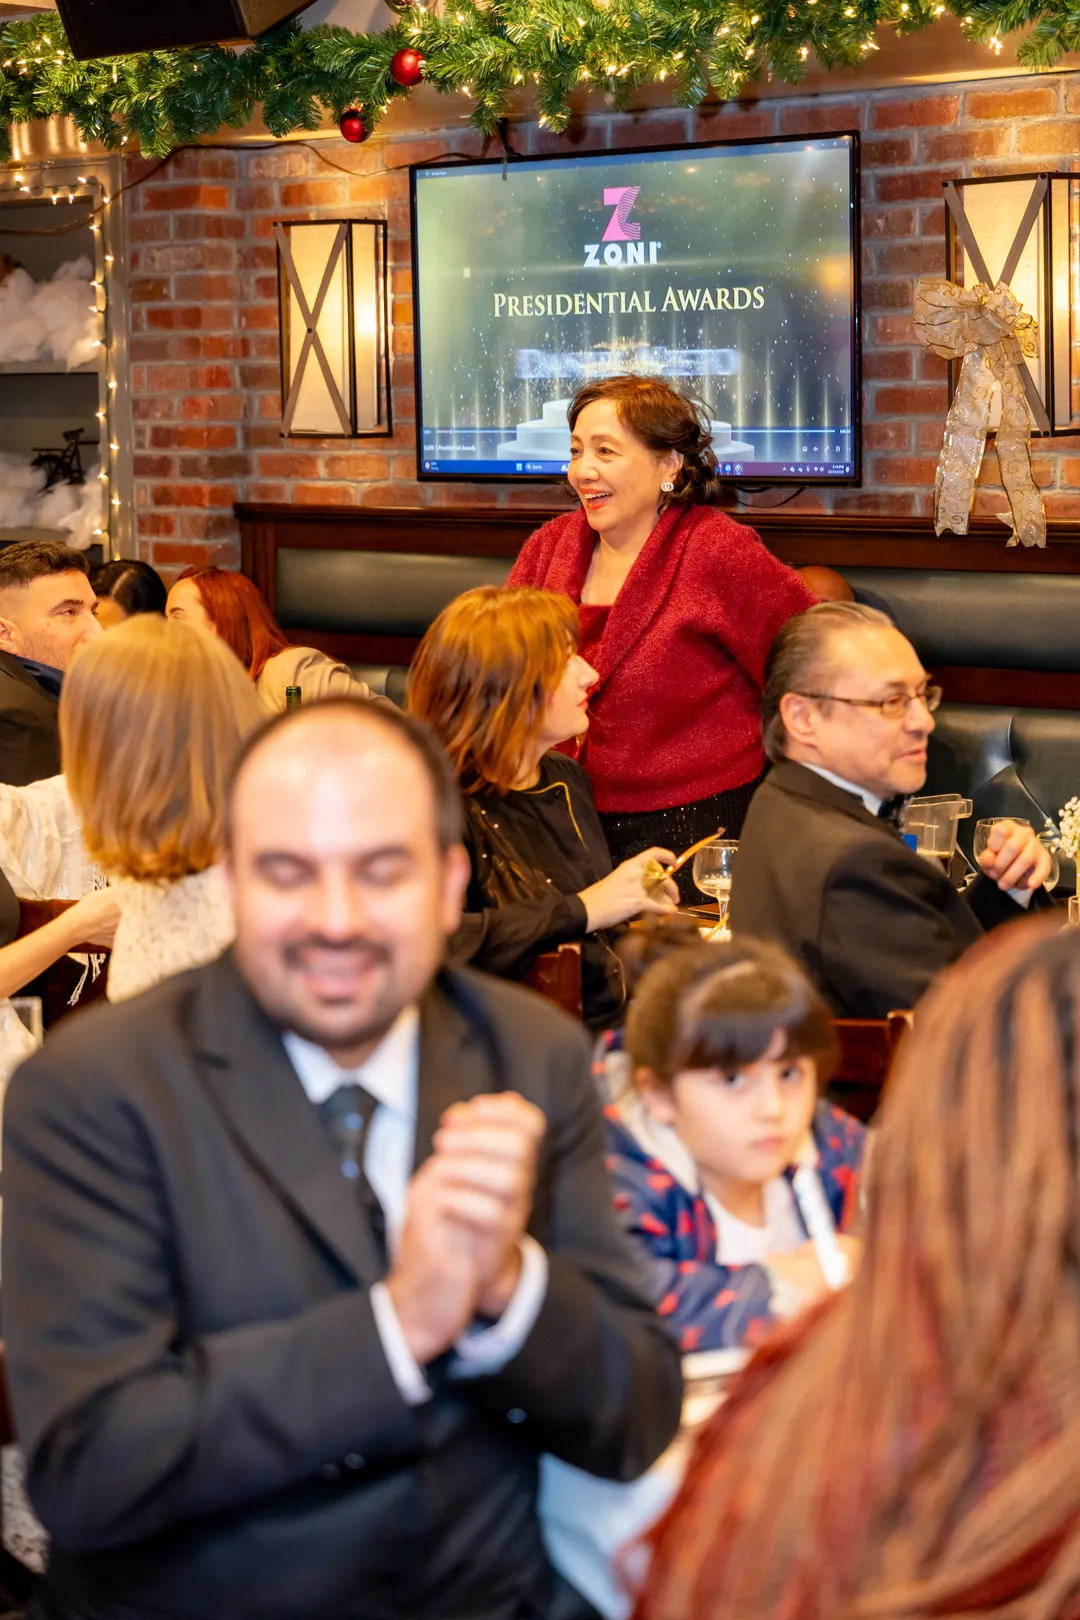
208 289
888 154
312 194
175 199
876 503
366 466
886 294
149 291
1070 471
192 318
814 119
1061 506
285 163
960 144
930 435
193 438
214 466
146 348
914 399
1010 104
402 340
913 471
289 464
208 346
1050 138
208 526
260 318
254 199
156 523
154 467
211 408
324 494
155 229
906 111
912 186
733 121
887 436
268 492
879 364
932 367
187 379
215 227
196 162
390 495
185 556
889 329
911 258
192 495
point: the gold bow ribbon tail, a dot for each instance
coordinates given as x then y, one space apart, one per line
987 330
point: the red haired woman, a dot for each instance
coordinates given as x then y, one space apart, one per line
234 609
912 1449
499 679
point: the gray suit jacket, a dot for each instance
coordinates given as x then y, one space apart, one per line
870 921
210 1425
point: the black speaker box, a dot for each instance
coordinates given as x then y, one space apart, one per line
120 27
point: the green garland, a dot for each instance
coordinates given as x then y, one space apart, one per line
484 49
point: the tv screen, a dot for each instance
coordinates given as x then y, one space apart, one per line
729 270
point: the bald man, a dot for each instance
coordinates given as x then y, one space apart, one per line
310 1254
47 611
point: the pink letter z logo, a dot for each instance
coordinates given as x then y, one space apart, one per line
621 200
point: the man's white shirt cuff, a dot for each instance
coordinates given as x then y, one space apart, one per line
479 1352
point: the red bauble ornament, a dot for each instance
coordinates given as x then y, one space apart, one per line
352 126
407 66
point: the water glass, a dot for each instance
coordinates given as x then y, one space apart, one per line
1074 911
713 870
984 828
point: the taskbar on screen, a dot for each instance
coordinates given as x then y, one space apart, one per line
758 471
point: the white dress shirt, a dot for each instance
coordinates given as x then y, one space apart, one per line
873 804
391 1075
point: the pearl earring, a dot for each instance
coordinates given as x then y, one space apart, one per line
667 486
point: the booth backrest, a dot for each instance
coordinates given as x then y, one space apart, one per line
1000 629
1008 760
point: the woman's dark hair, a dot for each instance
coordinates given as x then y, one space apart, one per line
132 585
720 1006
664 420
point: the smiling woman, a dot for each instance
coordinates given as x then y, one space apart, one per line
499 679
678 606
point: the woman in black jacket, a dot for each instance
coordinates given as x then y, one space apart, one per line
499 679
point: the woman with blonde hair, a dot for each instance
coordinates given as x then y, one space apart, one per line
151 717
911 1448
499 679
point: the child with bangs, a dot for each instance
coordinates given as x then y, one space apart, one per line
741 1198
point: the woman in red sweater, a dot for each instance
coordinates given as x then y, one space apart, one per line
678 607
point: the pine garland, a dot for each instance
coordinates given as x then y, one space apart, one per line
485 49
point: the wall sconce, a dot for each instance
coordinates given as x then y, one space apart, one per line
335 353
1016 229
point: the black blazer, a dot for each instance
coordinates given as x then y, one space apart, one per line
870 921
210 1425
29 726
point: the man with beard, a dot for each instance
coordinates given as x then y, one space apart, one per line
309 1254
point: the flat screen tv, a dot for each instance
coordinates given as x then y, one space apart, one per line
730 270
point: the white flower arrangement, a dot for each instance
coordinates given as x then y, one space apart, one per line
1068 838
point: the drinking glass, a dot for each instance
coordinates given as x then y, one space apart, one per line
713 869
982 838
1074 911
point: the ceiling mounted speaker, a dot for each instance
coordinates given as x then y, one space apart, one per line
120 27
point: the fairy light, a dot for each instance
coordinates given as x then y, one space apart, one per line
804 51
995 44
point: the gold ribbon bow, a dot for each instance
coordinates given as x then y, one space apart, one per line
988 330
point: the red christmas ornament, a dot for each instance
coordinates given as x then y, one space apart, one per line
352 126
407 67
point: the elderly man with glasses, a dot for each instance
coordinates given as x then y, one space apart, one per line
847 711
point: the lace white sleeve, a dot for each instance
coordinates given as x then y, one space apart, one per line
41 848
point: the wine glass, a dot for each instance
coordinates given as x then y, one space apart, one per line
713 869
1047 838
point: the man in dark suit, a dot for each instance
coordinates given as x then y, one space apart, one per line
822 867
309 1254
47 611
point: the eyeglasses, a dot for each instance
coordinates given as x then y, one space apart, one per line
890 708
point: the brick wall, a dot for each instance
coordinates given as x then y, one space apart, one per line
204 303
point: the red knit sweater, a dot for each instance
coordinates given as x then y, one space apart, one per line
676 714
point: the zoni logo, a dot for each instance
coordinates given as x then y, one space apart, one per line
620 229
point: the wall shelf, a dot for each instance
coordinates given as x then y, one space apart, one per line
46 368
